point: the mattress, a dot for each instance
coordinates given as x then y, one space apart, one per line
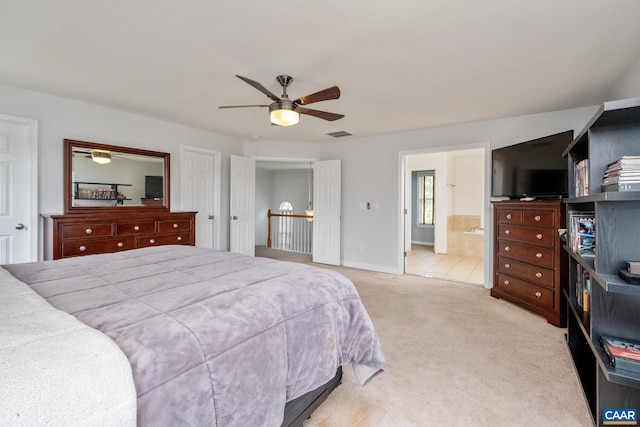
212 337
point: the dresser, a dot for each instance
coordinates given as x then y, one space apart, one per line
86 234
529 268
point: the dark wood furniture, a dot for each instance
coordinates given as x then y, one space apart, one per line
614 305
529 267
113 225
87 234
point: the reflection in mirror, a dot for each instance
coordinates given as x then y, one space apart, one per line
101 176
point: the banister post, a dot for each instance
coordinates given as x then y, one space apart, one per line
269 228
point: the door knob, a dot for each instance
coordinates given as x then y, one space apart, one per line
233 217
20 227
210 216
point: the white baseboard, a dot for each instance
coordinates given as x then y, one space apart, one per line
369 267
417 242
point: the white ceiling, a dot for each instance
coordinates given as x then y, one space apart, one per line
401 65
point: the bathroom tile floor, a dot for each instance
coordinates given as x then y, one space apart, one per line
422 261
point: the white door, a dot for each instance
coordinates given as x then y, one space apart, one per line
326 211
18 189
242 206
200 191
407 203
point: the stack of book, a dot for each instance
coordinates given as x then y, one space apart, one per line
622 354
622 175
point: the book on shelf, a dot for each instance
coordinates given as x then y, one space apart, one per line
582 288
622 175
623 354
581 178
582 232
622 186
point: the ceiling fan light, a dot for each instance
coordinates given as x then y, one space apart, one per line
284 117
100 156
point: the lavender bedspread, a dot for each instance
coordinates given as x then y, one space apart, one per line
214 338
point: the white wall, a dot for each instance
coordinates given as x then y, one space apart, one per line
629 85
469 190
370 166
60 118
371 172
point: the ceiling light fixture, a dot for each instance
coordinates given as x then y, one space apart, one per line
101 156
283 113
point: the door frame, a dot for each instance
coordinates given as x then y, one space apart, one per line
33 224
488 224
217 174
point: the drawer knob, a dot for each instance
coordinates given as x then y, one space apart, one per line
82 248
506 282
120 244
179 238
537 218
538 236
136 228
507 232
507 265
175 225
152 241
507 248
538 294
539 255
508 216
538 275
88 231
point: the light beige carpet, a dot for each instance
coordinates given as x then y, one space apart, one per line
455 357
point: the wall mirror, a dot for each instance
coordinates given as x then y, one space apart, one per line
100 177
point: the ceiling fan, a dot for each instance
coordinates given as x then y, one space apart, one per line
285 112
98 156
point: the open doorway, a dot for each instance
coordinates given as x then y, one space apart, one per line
450 244
284 188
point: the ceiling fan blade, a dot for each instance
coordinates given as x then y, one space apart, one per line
320 114
332 92
260 88
241 106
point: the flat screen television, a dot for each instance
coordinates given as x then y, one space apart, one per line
533 168
153 187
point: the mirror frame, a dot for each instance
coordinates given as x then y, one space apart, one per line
68 169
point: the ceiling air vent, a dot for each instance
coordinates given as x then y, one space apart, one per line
339 134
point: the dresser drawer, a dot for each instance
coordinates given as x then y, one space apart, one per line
536 236
132 228
74 231
179 225
538 218
533 273
165 239
509 216
532 254
538 295
97 246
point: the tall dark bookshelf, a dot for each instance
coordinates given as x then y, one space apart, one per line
614 305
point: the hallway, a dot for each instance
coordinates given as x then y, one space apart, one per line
422 261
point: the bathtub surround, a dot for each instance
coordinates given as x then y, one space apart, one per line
465 236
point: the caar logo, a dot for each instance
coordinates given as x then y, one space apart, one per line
620 417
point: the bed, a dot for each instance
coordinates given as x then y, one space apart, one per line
176 335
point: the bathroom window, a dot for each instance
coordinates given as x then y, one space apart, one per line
426 187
